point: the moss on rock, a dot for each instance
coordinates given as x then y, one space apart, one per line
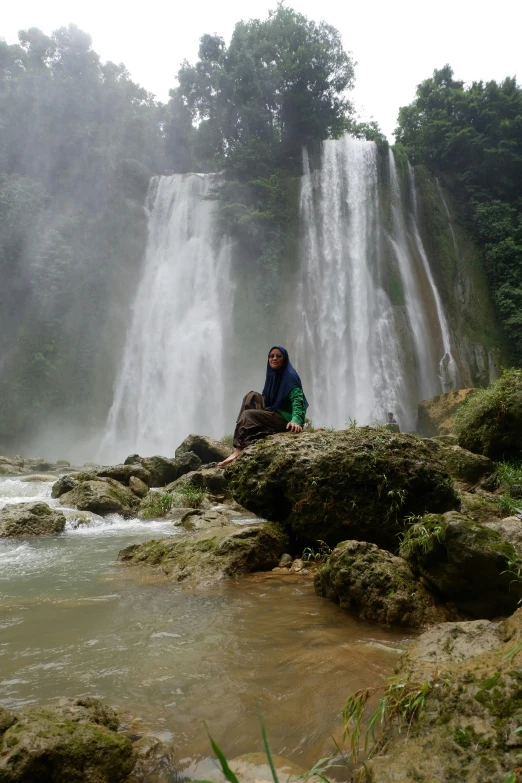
465 563
30 519
378 586
212 555
358 484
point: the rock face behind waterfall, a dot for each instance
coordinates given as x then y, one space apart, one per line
357 484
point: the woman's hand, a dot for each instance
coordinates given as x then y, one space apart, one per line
294 427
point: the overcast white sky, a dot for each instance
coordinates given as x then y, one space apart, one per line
396 44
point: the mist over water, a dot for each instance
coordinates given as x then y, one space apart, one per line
171 380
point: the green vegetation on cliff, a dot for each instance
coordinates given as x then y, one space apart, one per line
472 137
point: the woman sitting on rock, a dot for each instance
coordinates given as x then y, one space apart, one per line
282 406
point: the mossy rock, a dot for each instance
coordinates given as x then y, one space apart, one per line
211 480
101 496
163 470
73 742
465 729
465 563
378 586
359 484
490 422
465 466
207 449
480 508
212 555
436 416
30 519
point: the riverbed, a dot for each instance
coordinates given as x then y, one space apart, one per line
75 622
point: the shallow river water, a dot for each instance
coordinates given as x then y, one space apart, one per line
74 622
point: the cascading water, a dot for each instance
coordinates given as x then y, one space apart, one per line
171 380
372 334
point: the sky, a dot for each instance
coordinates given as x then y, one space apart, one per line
396 44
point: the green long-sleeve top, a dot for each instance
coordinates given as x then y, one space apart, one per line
293 407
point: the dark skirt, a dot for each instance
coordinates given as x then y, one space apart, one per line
254 422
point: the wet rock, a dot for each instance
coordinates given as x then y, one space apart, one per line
466 466
138 486
38 477
124 473
30 519
480 507
63 485
355 484
491 421
254 768
209 556
377 586
73 742
465 563
285 561
207 449
510 528
163 470
196 519
6 720
467 724
212 480
297 565
102 496
436 416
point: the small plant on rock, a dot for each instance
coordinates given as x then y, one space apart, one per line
421 535
320 556
157 504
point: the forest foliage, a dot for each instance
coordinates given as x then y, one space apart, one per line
471 136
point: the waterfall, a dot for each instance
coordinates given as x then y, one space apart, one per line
171 378
372 334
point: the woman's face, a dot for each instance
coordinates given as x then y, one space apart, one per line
275 359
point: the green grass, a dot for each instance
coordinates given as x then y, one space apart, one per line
421 535
158 504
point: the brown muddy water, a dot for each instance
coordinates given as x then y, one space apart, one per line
74 622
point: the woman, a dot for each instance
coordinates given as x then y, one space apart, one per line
282 406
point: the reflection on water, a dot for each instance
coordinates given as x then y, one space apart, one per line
74 622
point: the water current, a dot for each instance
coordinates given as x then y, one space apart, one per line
74 622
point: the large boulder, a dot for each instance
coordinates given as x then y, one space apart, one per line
207 449
464 680
490 422
163 470
212 555
30 519
377 586
124 473
211 480
465 466
75 741
436 416
102 496
465 563
359 483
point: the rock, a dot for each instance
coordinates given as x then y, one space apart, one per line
470 707
38 477
138 486
436 416
377 586
446 440
124 473
210 556
285 560
162 470
479 507
255 768
30 519
63 485
466 466
6 720
490 422
102 496
207 449
73 742
359 483
510 528
196 519
465 563
212 480
297 565
515 490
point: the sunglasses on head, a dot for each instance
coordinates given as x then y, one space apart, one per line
275 355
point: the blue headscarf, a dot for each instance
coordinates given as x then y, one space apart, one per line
279 383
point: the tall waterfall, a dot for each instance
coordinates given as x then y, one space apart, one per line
372 333
171 379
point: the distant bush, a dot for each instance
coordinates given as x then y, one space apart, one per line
490 421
